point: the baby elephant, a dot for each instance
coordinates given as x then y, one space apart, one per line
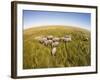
54 51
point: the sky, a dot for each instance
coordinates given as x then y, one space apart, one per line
33 18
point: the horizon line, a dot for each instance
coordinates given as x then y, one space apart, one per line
58 26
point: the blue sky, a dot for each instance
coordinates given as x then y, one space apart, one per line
33 18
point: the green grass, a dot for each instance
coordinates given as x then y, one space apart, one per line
70 54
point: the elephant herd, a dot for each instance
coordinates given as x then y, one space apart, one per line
53 41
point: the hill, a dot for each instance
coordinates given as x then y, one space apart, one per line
70 54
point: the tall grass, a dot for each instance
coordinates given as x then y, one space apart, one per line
69 54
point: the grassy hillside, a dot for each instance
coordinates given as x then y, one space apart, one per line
70 54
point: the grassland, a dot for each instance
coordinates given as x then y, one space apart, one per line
70 54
